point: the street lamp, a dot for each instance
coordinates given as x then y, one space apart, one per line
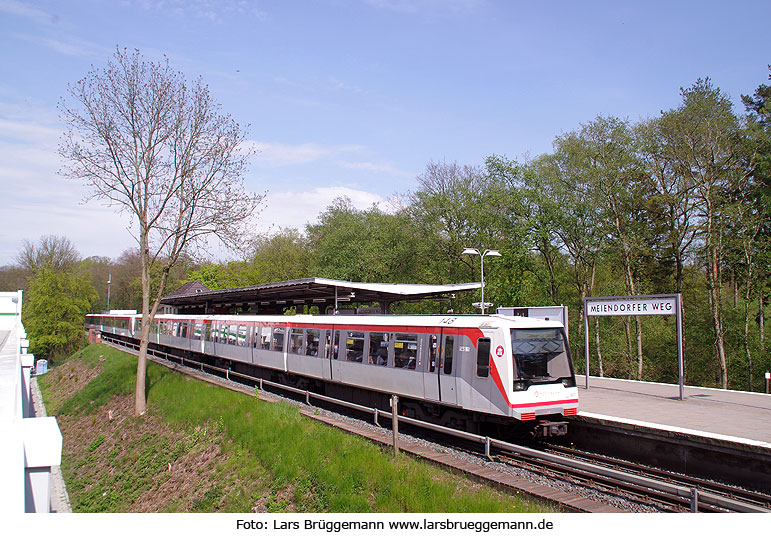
474 251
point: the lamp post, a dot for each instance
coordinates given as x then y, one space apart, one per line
482 254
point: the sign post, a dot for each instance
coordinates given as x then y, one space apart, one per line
637 305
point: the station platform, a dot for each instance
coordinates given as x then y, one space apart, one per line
733 418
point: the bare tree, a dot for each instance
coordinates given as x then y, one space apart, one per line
159 149
56 253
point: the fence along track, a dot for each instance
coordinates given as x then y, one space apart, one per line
489 444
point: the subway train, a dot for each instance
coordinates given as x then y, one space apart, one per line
507 374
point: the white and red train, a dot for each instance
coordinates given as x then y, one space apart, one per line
511 372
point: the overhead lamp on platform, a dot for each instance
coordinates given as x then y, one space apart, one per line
482 255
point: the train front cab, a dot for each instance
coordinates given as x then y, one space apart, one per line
543 384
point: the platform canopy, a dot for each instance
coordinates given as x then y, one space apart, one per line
322 292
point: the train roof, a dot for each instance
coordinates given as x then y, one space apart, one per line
435 320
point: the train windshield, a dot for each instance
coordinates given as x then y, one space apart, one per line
540 355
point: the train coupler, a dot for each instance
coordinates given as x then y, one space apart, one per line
550 429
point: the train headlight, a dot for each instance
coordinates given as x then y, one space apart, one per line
568 382
520 385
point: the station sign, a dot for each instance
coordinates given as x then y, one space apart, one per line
664 306
637 305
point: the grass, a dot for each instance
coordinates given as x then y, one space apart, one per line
257 455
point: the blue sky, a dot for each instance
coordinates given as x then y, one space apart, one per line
355 97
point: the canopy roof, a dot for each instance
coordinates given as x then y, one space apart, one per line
321 292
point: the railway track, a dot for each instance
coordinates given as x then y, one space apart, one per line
700 485
662 490
669 491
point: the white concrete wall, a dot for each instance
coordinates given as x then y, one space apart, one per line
29 446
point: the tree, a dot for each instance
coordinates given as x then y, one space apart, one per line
709 153
57 253
672 207
517 208
13 278
576 222
758 107
55 310
281 256
158 148
448 212
606 173
364 246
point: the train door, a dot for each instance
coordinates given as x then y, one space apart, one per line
325 353
479 378
448 367
431 374
337 367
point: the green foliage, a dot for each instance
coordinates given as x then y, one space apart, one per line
54 312
364 246
278 257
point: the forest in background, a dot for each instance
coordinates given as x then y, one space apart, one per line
678 203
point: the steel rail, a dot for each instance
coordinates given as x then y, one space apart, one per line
491 443
722 489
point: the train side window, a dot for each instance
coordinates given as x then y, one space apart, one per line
242 335
378 348
406 351
483 357
278 339
313 339
265 333
449 353
296 342
336 347
354 346
433 351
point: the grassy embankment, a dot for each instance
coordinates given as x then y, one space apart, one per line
204 448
